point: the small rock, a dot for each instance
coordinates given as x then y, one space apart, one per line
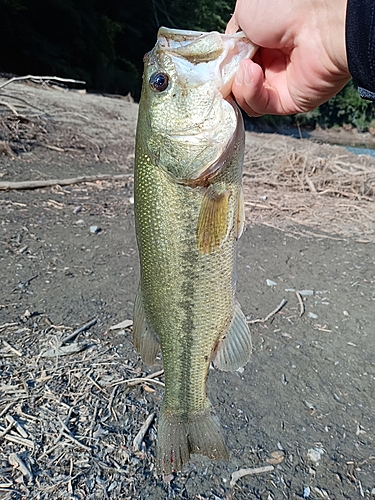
315 454
276 457
271 283
306 492
313 315
306 292
77 209
95 229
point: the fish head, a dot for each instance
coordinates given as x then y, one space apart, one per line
185 112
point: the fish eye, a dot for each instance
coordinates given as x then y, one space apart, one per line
159 82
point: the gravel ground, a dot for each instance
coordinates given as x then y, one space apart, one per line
78 409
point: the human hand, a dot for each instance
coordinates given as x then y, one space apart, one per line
301 62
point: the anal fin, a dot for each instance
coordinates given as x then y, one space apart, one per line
145 340
234 350
213 219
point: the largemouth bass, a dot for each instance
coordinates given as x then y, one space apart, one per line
189 213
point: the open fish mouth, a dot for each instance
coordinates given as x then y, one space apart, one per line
220 54
175 38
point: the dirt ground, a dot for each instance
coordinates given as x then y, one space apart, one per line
301 414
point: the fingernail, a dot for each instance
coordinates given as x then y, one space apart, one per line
248 76
239 76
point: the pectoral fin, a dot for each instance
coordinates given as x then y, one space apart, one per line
235 349
145 340
213 219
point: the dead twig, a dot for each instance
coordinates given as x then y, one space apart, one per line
6 430
5 410
18 440
344 194
249 472
17 425
41 79
272 313
17 462
83 328
53 148
6 186
301 304
110 402
121 326
140 380
10 348
310 184
68 434
137 442
12 108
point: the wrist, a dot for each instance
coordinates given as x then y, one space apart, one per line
332 31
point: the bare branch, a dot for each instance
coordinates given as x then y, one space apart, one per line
41 79
6 186
12 108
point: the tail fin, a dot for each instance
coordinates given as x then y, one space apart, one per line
180 436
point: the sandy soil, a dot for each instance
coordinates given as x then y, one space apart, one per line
303 407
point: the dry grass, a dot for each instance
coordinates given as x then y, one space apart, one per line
290 182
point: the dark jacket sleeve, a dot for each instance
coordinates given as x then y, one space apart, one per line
360 45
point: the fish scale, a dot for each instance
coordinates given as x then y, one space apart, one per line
187 222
